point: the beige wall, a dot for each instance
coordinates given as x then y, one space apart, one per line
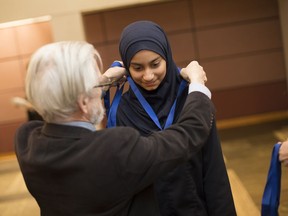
66 14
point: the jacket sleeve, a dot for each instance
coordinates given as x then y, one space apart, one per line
146 158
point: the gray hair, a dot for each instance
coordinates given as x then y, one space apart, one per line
58 73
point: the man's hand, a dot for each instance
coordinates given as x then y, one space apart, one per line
114 74
283 153
194 73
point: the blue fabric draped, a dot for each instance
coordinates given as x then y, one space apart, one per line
271 195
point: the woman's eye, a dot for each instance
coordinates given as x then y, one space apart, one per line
155 64
137 68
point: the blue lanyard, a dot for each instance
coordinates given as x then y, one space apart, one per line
271 195
112 110
111 121
149 109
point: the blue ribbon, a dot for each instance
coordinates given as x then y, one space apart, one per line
271 195
116 64
111 121
149 109
107 95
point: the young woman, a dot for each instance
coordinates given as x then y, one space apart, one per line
153 102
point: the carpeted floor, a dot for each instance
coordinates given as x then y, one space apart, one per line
248 152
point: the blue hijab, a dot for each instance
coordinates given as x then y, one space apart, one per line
147 35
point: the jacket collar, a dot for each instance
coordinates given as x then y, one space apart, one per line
65 131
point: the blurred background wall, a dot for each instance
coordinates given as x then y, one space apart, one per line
242 46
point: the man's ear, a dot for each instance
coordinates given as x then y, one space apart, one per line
83 103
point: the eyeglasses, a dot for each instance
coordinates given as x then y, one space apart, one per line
108 85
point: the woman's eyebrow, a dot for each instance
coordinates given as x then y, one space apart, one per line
135 63
156 59
153 60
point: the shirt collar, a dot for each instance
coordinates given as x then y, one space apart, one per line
82 124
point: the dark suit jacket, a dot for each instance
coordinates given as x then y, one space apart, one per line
73 171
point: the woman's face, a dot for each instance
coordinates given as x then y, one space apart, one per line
147 69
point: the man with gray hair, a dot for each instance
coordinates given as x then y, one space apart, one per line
71 168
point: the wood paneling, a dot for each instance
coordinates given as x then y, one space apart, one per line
249 100
244 38
24 61
108 53
17 45
94 29
173 16
31 37
10 73
8 43
239 45
230 73
106 26
183 46
211 13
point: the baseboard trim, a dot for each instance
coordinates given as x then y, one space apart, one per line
252 119
7 156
